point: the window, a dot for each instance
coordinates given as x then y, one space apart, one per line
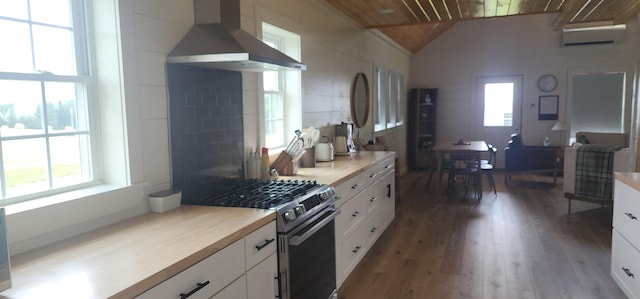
282 90
597 103
45 141
389 101
498 104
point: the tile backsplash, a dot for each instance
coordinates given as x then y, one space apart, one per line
205 120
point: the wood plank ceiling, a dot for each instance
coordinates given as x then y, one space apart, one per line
414 23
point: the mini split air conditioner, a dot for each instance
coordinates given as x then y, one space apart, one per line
593 33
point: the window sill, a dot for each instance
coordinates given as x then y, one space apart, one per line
47 201
39 222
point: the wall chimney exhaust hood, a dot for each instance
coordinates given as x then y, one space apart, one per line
216 41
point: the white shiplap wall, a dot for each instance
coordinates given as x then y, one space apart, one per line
334 49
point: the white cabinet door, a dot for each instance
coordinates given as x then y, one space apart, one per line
260 244
625 265
262 280
236 290
205 278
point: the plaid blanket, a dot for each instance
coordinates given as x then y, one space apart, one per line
594 171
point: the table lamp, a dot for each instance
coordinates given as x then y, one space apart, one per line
560 126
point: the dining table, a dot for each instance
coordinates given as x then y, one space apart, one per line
471 148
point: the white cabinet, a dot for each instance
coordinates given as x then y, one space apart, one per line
262 280
625 243
367 206
225 274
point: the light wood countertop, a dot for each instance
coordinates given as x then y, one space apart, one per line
630 178
127 258
342 168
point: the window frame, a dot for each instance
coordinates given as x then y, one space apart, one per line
390 99
85 103
291 89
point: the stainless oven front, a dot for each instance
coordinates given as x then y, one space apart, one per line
307 258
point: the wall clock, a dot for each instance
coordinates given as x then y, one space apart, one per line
547 83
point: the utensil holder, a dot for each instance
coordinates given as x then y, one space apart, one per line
308 160
283 164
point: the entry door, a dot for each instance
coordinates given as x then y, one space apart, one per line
499 111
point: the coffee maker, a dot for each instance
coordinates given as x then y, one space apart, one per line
344 144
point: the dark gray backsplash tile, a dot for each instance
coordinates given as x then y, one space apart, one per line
205 119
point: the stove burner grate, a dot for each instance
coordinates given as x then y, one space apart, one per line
259 194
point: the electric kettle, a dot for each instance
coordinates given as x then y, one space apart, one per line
324 150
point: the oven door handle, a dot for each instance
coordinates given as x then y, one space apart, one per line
297 240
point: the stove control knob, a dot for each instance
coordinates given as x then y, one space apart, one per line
327 194
289 215
300 209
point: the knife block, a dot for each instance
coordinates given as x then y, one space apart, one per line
283 164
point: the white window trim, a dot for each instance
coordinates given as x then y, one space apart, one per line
121 192
292 86
390 99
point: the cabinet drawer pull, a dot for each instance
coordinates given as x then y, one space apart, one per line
354 186
355 250
266 243
373 230
626 271
387 167
355 214
373 175
373 199
199 286
631 216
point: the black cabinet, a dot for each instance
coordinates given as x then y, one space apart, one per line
422 128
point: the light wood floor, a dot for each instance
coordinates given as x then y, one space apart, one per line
518 244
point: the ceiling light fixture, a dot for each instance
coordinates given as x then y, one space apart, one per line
435 10
447 9
423 11
410 10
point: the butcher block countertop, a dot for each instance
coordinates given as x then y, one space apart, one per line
630 178
342 168
125 259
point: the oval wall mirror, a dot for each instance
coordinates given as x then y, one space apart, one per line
360 100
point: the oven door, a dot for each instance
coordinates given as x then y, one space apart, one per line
307 259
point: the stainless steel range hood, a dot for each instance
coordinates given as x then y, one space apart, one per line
216 41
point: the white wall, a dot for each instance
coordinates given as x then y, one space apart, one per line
522 45
334 48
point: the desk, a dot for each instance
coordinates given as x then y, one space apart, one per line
449 147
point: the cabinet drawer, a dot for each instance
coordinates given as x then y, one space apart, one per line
626 212
260 244
352 250
351 214
384 167
220 269
348 189
373 226
625 265
236 290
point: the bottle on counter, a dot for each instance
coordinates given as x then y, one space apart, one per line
251 166
257 165
266 172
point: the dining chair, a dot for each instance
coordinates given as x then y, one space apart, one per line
488 168
472 178
485 161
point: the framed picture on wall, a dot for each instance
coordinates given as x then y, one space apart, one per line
548 107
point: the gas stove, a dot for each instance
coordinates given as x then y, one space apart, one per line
293 200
